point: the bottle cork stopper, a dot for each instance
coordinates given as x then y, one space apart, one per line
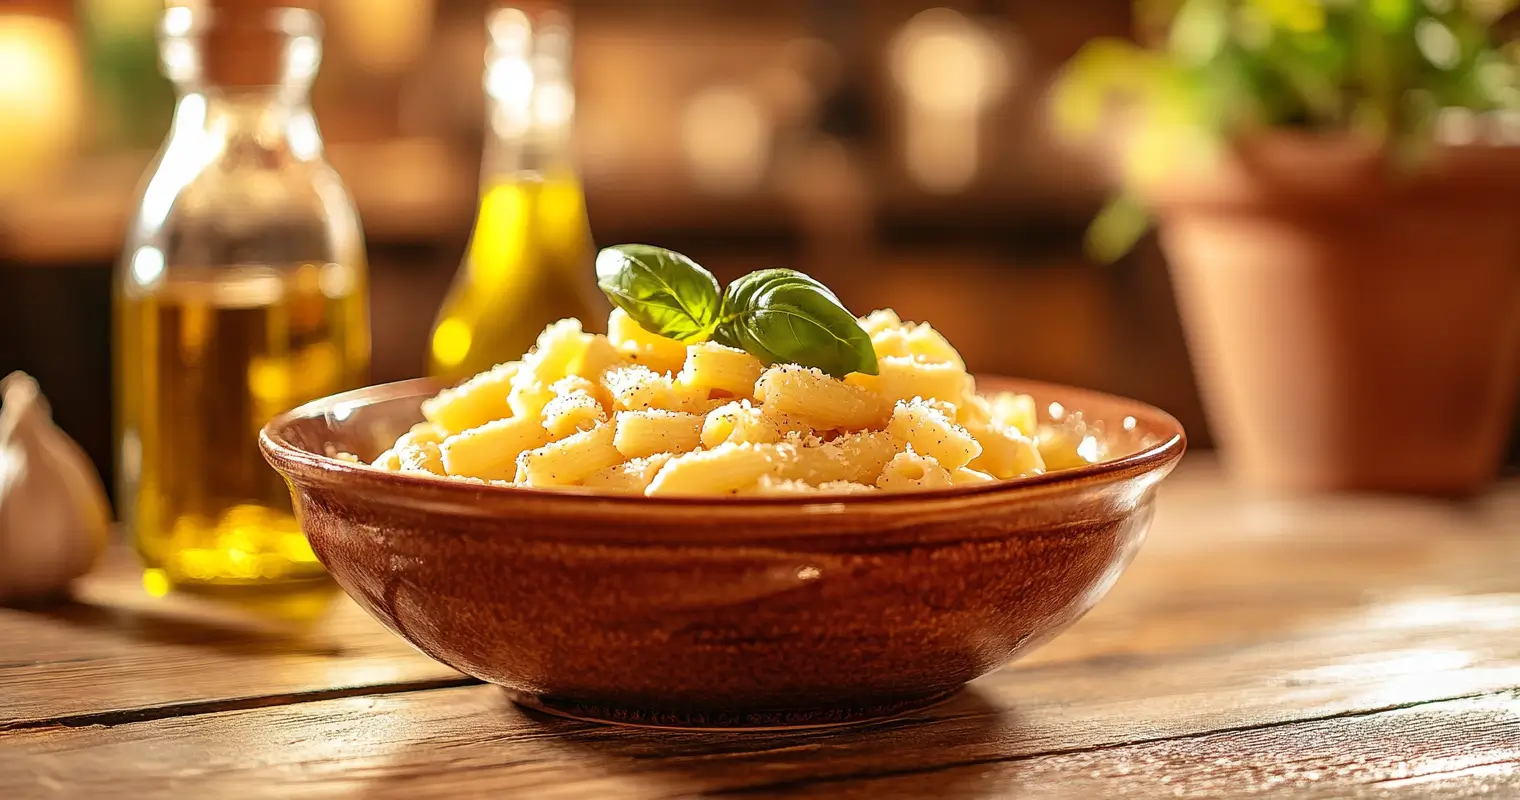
244 45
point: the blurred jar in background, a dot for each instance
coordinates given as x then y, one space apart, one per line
242 292
530 255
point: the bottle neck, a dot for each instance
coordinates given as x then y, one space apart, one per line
273 119
521 144
530 100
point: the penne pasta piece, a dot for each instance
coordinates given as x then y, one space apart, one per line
722 470
642 347
904 378
570 460
910 472
928 429
475 402
490 451
965 476
424 457
854 457
645 433
572 412
1006 453
629 477
819 400
712 366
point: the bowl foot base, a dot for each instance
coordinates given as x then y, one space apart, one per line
710 720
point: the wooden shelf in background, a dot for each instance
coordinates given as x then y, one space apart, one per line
404 188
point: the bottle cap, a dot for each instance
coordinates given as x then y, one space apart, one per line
245 42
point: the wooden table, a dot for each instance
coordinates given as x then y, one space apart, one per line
1345 647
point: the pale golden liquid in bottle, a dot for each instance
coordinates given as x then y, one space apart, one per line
205 359
529 264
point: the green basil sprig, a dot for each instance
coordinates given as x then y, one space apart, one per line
776 315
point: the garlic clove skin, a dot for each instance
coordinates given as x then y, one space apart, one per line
54 516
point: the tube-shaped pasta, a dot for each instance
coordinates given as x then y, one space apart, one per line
572 412
422 457
645 433
916 342
908 471
926 427
739 422
570 460
490 451
965 476
853 457
558 349
638 388
642 347
1014 411
819 400
475 402
629 477
1006 453
904 378
722 470
712 366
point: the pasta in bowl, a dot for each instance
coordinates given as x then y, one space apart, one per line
636 413
632 529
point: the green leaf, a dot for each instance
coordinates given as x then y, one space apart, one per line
1117 228
662 290
783 316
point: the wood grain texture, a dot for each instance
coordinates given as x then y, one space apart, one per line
1325 648
141 656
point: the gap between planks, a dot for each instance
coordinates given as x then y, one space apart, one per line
110 719
788 785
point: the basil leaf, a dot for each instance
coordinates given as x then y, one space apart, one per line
662 290
782 316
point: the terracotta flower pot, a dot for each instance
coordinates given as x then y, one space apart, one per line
1352 329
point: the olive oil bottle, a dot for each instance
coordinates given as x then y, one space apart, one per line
241 293
529 261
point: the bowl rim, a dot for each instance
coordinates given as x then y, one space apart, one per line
302 466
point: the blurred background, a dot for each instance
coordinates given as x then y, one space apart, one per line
897 150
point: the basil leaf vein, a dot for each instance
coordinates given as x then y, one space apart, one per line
787 317
662 290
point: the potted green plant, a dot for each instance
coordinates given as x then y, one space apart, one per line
1336 186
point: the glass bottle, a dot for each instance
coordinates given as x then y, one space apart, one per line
529 261
242 292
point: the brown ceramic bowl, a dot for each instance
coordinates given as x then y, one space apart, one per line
731 612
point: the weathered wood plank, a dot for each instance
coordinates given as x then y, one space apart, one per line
450 741
1460 748
1334 647
117 649
1219 572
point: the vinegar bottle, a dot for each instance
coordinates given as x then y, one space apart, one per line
241 293
529 261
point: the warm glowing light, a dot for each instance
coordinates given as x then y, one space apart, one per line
950 71
451 342
156 582
725 136
41 96
147 265
384 38
1088 448
302 135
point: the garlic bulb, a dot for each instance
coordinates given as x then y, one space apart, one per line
54 517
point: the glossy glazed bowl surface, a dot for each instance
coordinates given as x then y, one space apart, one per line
729 612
